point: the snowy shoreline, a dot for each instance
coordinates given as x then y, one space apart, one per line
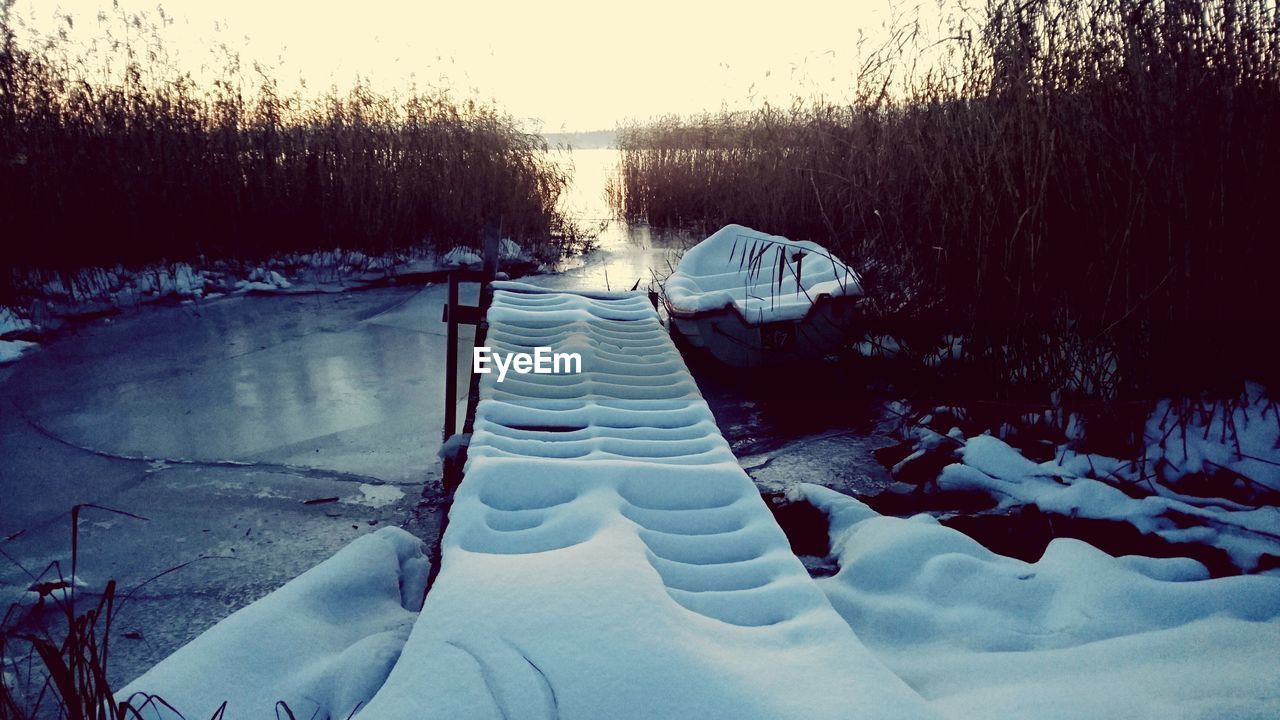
1232 445
51 302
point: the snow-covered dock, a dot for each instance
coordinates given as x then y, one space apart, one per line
607 557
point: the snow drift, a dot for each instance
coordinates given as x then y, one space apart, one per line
324 643
1077 635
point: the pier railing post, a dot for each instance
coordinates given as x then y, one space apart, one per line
451 359
456 314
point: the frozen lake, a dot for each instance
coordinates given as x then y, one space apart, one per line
217 422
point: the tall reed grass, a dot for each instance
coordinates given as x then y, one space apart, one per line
109 155
1085 188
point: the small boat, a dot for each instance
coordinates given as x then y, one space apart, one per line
754 299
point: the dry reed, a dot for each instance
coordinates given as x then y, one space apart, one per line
1083 188
110 156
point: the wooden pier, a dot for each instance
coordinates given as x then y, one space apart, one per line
606 557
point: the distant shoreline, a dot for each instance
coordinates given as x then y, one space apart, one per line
592 140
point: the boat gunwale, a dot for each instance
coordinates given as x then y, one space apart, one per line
732 309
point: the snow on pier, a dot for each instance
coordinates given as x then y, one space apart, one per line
607 557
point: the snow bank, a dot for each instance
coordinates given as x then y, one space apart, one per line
462 256
51 592
739 267
264 280
10 322
1246 533
11 350
1241 436
607 558
180 280
1207 444
99 289
95 290
509 250
324 643
1078 634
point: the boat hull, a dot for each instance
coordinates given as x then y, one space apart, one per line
734 341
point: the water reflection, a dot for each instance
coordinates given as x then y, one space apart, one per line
626 255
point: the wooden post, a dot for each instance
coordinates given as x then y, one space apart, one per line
456 314
451 359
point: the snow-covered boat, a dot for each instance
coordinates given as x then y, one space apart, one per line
753 299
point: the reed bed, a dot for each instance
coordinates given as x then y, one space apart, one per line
109 155
1084 189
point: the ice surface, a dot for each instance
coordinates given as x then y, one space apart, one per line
607 557
237 411
345 384
378 495
710 276
324 643
1078 634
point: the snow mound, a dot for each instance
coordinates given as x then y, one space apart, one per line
264 280
162 281
11 350
739 268
10 322
1077 635
1241 437
43 595
607 558
1246 533
462 257
324 643
509 250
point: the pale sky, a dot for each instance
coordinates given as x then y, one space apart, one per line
566 65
